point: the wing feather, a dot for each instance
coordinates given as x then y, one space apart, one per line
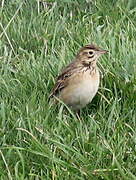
63 78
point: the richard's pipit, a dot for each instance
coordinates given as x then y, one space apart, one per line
78 83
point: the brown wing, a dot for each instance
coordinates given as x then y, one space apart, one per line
62 79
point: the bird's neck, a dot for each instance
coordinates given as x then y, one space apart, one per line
92 67
91 64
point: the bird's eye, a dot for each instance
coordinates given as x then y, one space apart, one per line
90 52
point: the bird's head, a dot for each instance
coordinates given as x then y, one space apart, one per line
89 54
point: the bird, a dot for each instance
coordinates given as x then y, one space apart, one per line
78 82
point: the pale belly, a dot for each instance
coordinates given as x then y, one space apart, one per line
80 90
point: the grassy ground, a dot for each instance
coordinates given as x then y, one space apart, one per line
42 141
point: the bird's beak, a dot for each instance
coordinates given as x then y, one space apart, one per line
103 51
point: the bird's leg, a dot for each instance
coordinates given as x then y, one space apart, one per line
78 114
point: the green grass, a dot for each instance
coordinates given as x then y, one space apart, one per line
41 141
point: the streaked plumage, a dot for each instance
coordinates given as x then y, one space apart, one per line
78 83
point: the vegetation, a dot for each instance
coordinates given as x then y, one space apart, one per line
40 140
